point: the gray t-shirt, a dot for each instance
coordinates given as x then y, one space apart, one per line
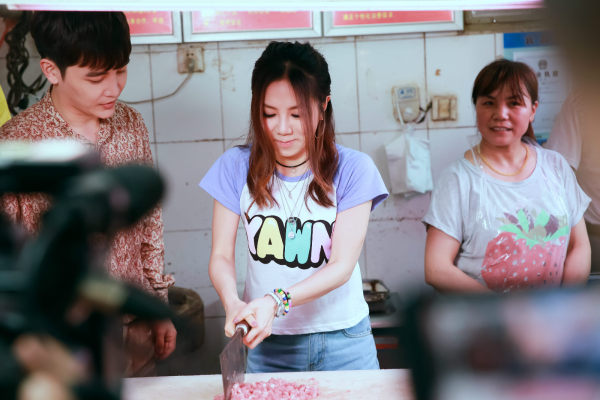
512 234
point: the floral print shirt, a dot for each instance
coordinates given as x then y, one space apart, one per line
137 253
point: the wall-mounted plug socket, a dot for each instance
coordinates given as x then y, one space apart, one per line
444 108
190 58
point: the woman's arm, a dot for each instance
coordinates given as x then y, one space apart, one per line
346 243
221 267
440 271
578 260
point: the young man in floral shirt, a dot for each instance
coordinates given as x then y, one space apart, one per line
84 56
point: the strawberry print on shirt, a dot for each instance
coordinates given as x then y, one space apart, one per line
528 252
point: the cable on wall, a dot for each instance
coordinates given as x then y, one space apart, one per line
17 61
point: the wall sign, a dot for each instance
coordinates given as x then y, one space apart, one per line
154 26
346 23
537 51
354 18
200 26
149 23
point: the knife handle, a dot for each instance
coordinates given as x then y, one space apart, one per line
243 326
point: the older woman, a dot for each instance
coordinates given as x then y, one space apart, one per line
509 214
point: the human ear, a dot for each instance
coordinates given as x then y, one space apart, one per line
50 70
325 104
327 100
533 108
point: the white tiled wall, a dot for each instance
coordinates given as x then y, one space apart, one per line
395 251
381 65
138 88
452 65
210 113
235 73
193 113
344 86
449 144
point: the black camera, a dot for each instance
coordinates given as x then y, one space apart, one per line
54 292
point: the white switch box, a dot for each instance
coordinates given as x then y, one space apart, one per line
443 108
405 100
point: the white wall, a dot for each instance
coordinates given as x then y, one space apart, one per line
210 114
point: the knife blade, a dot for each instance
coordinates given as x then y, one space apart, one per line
233 360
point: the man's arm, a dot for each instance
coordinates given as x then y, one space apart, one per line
153 259
152 253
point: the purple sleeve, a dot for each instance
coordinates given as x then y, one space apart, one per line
357 180
226 178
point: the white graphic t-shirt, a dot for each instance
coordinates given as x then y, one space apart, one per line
282 252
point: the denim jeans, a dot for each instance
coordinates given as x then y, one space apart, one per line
345 349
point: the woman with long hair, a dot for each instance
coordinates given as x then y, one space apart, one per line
508 215
305 204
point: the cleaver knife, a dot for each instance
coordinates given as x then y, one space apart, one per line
233 360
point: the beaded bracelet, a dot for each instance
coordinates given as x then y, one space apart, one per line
278 302
286 299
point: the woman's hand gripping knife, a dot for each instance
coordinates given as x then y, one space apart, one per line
259 313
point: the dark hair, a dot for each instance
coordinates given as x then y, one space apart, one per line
99 40
308 74
513 74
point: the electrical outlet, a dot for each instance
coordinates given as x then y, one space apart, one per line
190 58
443 108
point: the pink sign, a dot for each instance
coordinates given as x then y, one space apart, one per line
150 22
235 21
352 18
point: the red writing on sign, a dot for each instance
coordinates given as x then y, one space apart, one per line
228 21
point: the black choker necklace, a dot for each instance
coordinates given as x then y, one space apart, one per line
291 166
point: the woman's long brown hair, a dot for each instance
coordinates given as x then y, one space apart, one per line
307 72
509 73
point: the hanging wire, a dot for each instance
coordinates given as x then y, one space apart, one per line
17 61
423 112
166 96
